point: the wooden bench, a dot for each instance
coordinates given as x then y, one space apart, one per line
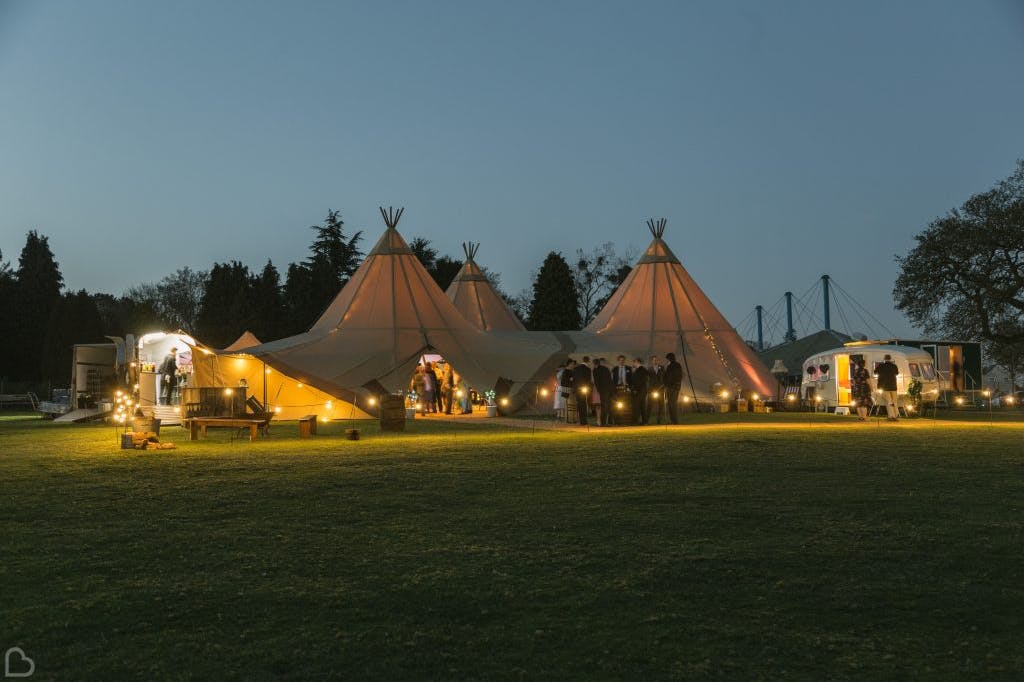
197 426
307 426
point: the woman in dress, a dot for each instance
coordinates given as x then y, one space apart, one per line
860 389
565 390
559 397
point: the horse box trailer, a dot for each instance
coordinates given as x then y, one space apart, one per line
828 375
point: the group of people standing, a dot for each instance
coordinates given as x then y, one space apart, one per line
860 387
441 389
595 388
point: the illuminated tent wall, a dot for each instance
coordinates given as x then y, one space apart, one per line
286 396
474 297
246 340
659 308
391 312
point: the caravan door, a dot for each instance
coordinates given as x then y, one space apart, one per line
843 378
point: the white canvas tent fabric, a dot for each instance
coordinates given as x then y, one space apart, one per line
474 297
390 313
658 309
246 340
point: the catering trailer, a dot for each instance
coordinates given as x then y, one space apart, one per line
827 376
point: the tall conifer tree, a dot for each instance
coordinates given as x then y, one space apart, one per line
555 304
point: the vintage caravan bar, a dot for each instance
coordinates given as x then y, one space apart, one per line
827 376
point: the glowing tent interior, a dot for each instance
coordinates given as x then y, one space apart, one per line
286 396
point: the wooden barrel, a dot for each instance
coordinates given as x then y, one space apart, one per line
392 413
146 424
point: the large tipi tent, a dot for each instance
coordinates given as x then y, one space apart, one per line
391 312
474 297
659 308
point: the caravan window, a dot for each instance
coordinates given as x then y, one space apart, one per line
928 370
915 370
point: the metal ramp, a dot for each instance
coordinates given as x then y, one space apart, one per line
82 415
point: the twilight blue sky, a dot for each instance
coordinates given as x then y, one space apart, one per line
782 140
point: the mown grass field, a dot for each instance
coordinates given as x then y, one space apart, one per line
785 546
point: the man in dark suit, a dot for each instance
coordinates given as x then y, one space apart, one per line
604 387
673 383
639 385
621 374
656 382
583 384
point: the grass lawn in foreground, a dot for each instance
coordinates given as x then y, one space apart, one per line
770 546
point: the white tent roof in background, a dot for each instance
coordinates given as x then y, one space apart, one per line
246 340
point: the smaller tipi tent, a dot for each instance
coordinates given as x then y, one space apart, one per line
476 299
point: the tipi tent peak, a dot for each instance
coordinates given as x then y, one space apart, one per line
391 216
657 227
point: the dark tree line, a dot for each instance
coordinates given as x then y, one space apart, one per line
41 321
